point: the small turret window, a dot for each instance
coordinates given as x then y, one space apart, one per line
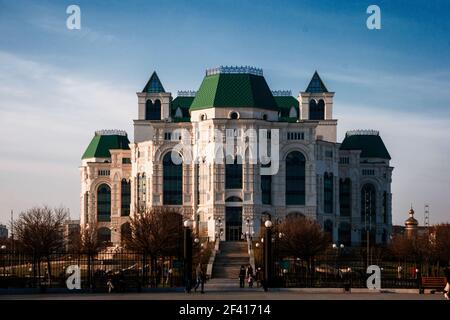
316 110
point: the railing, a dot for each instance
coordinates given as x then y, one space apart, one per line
127 270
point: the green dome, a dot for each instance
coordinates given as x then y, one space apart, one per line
234 87
105 140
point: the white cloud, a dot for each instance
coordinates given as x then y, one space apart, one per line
47 118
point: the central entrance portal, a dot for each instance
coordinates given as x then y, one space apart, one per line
233 223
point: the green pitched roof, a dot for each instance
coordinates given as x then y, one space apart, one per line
285 103
371 145
153 85
316 85
234 90
102 143
184 103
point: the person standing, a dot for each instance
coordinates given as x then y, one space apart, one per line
198 278
241 276
447 286
249 273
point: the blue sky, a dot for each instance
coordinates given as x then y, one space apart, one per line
57 85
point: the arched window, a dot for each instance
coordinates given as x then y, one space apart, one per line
292 113
295 178
345 233
153 110
266 186
172 180
328 229
125 232
345 197
125 197
328 192
142 192
233 174
368 212
316 110
104 203
104 236
233 199
265 117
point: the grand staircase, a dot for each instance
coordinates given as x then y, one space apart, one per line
229 259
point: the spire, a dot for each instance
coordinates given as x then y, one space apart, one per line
316 85
154 85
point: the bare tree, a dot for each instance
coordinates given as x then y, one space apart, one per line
39 231
155 232
440 242
302 238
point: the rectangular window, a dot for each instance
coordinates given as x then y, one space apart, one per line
345 199
295 135
167 135
103 172
197 166
368 172
126 160
266 187
328 192
344 160
233 176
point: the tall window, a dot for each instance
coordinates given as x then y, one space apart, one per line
172 181
197 169
153 110
295 178
385 207
125 197
104 203
328 229
266 186
345 197
316 110
345 233
368 205
233 175
141 191
328 192
86 207
125 232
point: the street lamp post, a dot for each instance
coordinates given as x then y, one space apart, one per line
187 258
268 255
3 248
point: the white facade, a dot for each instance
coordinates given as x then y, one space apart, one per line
205 197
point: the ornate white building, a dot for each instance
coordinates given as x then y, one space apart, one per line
345 186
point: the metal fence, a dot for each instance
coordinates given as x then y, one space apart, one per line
126 271
346 270
343 273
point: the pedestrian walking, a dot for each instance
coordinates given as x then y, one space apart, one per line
110 285
447 286
201 279
242 276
